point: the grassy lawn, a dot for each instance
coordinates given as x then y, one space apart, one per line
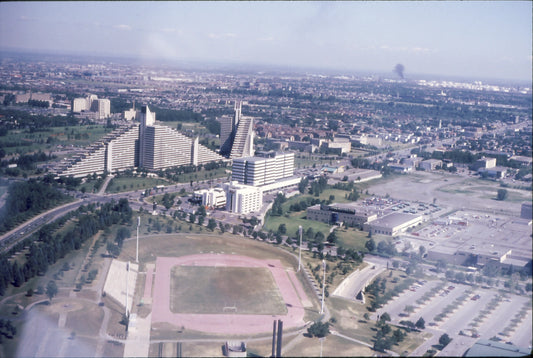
306 160
208 290
293 221
352 239
133 183
120 184
73 135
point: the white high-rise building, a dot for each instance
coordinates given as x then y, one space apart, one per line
243 199
236 135
92 103
104 108
263 170
147 145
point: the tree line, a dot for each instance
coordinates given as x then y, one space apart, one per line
27 199
47 245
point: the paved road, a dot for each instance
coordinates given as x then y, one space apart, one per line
358 280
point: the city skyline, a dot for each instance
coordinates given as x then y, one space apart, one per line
453 38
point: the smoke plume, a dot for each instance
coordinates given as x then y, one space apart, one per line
398 69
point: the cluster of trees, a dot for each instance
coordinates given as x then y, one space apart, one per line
168 200
377 289
27 161
419 324
45 247
384 341
7 329
318 186
37 103
304 204
171 115
174 173
383 247
27 199
15 119
277 209
304 182
318 329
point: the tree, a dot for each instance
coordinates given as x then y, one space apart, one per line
318 329
332 237
502 194
421 250
420 324
211 224
444 340
370 245
385 317
51 289
282 229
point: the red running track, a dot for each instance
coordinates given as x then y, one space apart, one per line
225 323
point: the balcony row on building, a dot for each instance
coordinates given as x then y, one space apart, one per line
146 145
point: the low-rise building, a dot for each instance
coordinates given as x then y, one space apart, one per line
484 163
400 168
493 172
214 198
393 224
350 214
430 164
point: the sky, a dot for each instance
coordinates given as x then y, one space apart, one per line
475 39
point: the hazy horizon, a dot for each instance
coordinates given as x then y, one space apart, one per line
463 39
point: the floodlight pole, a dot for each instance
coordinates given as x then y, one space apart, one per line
300 254
127 277
323 286
137 253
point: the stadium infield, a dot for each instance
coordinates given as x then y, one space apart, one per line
227 323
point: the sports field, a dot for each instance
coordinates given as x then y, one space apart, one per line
250 317
215 290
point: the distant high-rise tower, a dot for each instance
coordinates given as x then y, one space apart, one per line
236 135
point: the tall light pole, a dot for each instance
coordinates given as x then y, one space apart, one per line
300 254
127 277
323 286
138 224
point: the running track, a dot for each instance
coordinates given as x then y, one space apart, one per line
226 323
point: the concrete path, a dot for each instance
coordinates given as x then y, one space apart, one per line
138 341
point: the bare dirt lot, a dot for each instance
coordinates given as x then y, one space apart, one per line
453 191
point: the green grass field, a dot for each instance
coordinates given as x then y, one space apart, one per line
50 138
293 221
207 290
352 239
129 184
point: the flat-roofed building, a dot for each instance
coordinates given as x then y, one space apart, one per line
493 172
263 170
393 224
243 199
430 164
104 108
350 214
214 198
484 163
488 348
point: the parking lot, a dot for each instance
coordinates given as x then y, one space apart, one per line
476 312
